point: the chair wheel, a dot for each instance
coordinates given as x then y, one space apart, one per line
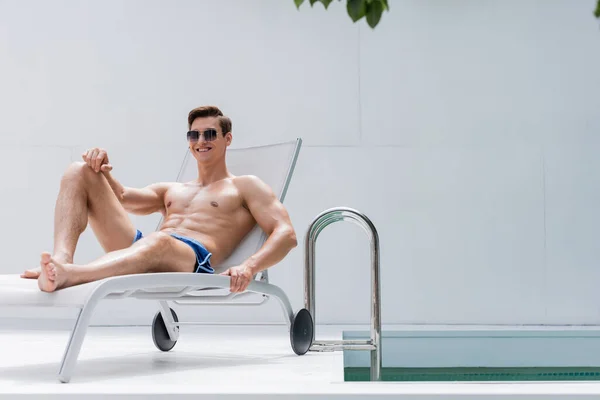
302 332
160 336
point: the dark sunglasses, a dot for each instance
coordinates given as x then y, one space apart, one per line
209 135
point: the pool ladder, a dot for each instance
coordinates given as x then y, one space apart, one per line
324 219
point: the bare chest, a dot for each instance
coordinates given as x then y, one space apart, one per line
216 199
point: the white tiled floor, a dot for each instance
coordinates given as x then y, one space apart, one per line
217 361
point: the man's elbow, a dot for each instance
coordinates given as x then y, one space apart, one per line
291 238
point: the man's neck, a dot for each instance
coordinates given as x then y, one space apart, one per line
208 174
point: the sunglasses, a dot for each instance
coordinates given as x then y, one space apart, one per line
209 135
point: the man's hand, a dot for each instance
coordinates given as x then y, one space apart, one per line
97 159
241 276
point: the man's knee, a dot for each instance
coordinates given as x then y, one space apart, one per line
75 169
79 170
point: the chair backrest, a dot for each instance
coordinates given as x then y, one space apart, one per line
274 164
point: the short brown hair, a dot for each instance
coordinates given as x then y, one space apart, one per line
210 111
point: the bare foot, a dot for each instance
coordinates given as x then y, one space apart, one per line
53 275
35 272
31 273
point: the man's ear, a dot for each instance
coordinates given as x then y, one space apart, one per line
228 138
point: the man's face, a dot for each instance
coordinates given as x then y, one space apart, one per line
206 139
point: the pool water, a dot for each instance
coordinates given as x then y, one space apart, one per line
484 354
358 374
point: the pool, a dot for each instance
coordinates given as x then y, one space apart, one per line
481 354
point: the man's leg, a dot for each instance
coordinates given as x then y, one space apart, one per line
158 252
85 196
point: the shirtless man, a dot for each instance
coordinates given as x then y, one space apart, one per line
204 220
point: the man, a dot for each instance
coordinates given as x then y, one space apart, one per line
204 220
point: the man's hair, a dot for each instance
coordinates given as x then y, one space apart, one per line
210 111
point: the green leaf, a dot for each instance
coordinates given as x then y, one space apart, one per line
313 2
374 11
387 7
298 3
326 3
356 9
597 12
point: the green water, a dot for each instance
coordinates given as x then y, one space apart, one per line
356 374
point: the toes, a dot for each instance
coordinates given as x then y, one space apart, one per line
46 257
51 271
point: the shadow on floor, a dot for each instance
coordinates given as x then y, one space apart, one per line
124 366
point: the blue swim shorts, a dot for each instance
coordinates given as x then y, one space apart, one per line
202 255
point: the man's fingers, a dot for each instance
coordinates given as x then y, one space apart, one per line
99 159
240 283
96 161
90 158
106 168
95 158
234 282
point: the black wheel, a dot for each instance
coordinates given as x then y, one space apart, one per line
160 336
302 331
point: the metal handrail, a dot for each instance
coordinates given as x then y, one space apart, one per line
320 222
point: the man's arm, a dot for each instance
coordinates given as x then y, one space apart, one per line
273 219
144 201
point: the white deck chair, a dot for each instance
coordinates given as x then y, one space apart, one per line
274 164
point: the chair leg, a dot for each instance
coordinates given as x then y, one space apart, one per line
74 345
275 291
172 329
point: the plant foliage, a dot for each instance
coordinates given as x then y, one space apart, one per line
371 10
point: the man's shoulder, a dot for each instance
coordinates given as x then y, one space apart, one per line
250 184
247 180
164 184
162 188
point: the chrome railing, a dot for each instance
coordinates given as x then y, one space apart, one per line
324 219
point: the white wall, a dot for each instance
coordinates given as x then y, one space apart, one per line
466 130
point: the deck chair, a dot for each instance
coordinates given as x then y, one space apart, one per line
274 164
